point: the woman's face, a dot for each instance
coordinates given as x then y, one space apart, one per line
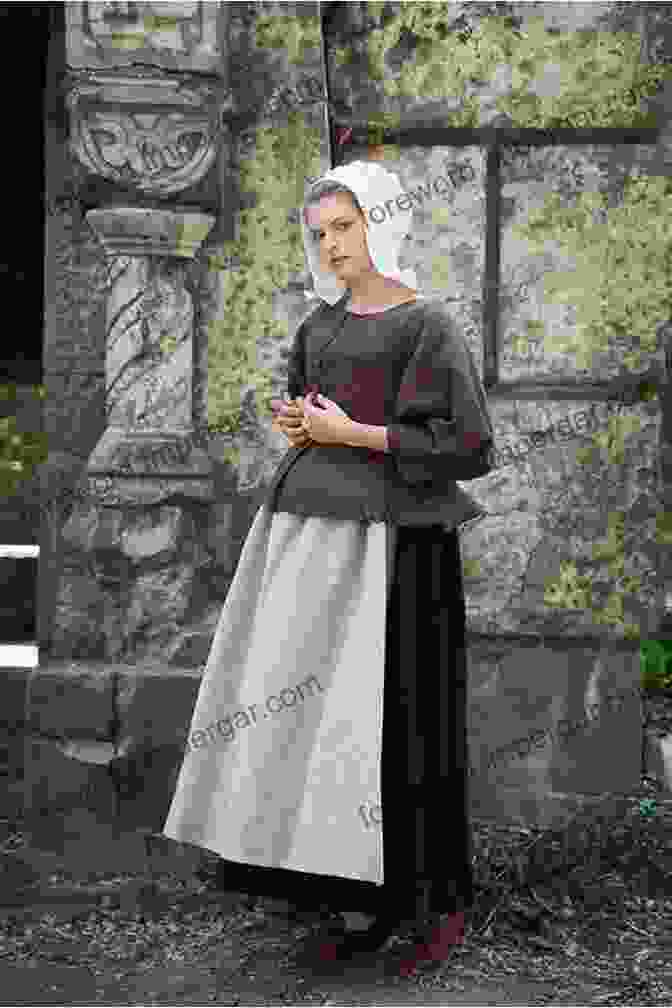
338 229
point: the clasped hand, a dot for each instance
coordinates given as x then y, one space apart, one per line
311 419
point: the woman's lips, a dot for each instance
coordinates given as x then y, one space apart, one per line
339 262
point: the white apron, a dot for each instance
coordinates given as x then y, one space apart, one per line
286 734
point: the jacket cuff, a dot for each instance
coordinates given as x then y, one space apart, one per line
410 446
421 455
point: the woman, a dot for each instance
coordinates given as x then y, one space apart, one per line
348 601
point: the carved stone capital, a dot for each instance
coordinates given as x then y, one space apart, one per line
160 454
157 134
130 231
177 36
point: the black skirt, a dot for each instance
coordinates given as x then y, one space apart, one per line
427 845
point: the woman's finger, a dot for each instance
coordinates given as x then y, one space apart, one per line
284 421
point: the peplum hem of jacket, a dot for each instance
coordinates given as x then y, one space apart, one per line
410 370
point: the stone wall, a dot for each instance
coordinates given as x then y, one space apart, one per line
143 518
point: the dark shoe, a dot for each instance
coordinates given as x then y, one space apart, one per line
436 944
361 946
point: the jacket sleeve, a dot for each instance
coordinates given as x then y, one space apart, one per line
443 427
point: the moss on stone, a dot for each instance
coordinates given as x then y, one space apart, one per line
269 249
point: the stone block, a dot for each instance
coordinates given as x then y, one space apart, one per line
71 700
71 808
219 532
159 598
17 523
246 505
155 705
501 548
74 408
79 630
12 729
232 518
19 881
169 856
183 36
156 534
546 723
191 648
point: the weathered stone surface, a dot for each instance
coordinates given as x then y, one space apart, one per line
74 409
152 571
354 89
218 536
84 814
18 880
71 808
184 36
155 536
502 550
545 727
229 530
190 649
72 700
547 723
149 305
565 510
17 525
12 728
76 281
52 491
109 103
260 454
159 596
155 707
165 855
84 614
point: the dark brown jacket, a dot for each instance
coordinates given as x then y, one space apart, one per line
409 369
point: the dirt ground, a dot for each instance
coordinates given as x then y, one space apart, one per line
598 934
237 956
594 932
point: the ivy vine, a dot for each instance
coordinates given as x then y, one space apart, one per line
598 78
622 282
621 287
269 249
572 590
20 451
292 32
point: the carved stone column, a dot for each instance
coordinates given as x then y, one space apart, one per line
149 341
158 135
140 135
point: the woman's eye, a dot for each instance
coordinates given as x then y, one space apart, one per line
342 224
